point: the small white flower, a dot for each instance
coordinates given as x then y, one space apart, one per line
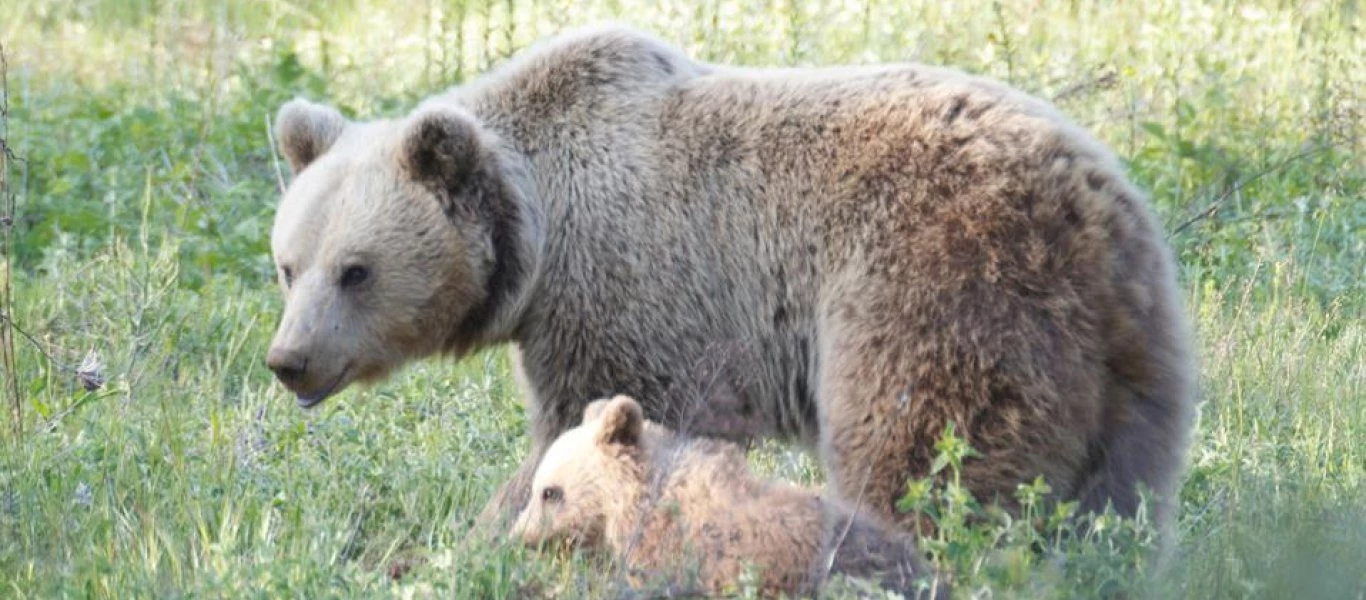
91 371
84 495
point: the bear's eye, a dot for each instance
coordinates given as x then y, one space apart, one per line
552 494
354 275
288 276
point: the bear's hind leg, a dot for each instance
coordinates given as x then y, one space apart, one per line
890 383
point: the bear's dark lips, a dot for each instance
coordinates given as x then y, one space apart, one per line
311 401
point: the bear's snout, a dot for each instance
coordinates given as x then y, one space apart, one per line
290 366
310 380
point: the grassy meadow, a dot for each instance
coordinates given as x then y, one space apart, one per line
140 185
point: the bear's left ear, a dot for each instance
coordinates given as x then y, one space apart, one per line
621 422
441 144
594 409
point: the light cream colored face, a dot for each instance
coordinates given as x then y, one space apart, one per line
371 269
585 476
568 502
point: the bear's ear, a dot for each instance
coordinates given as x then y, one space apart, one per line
594 409
621 422
441 144
306 130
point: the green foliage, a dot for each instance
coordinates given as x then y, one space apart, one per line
1043 550
98 167
149 183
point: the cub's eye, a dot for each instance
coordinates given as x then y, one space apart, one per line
288 276
552 494
354 275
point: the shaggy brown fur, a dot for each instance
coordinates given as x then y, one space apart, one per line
667 506
870 253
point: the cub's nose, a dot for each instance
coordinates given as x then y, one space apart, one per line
289 365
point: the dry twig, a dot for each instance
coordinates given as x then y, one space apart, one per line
1228 192
7 327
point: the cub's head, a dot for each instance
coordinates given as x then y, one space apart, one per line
396 240
589 475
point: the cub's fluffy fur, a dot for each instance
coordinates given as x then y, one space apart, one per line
666 506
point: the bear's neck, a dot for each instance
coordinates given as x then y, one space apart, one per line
518 236
550 168
626 535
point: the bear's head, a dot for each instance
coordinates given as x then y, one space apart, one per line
397 239
589 475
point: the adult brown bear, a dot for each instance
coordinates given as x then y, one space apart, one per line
855 256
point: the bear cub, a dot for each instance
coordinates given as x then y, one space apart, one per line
688 511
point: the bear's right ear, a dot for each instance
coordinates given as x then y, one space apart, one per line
306 130
621 422
442 145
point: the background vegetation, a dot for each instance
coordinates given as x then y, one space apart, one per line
142 185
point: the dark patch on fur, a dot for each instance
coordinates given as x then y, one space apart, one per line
780 313
977 110
955 109
1126 201
1069 214
803 399
1028 201
663 62
1095 180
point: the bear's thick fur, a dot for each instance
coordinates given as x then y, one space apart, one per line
850 257
676 511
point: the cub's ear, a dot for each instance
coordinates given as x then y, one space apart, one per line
305 130
621 422
594 409
441 144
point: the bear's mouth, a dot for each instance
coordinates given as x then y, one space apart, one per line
311 400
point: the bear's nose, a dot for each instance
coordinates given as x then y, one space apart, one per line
289 366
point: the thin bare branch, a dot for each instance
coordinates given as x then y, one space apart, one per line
1218 203
7 325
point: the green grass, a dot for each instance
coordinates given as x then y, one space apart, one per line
147 187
